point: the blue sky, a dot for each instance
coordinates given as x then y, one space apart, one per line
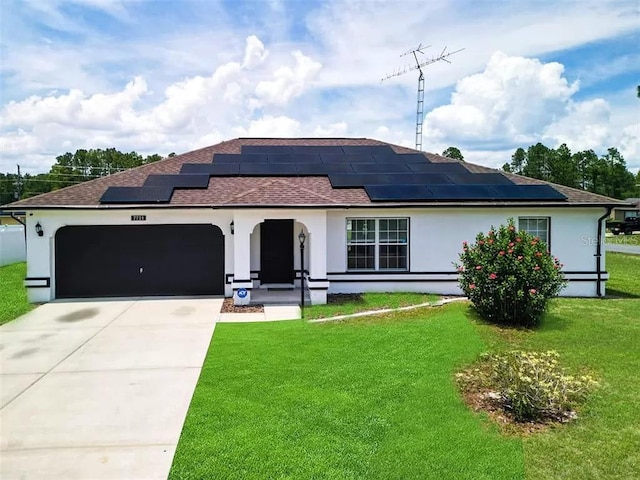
171 76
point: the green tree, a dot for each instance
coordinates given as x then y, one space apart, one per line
453 152
562 167
71 169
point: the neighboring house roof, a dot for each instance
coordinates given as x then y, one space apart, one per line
264 191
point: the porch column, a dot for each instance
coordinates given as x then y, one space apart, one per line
317 282
241 261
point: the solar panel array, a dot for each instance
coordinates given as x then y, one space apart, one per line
385 175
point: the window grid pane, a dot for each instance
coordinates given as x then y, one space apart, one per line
389 247
538 227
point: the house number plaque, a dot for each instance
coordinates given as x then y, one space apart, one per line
138 218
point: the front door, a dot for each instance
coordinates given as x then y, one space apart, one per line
276 251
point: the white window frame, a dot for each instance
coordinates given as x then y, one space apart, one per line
376 245
535 231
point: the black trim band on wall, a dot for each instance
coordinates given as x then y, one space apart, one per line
405 272
47 281
317 288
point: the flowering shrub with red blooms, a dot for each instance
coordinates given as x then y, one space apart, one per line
509 276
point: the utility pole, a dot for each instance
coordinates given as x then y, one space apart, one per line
418 66
18 185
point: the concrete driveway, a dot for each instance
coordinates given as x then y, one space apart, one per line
99 389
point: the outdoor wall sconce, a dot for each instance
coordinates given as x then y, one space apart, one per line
39 229
301 238
232 227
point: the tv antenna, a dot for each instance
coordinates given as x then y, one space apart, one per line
418 66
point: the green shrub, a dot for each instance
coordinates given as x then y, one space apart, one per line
509 276
533 386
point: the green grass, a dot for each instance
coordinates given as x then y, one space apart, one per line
368 301
624 239
624 275
13 295
375 398
367 399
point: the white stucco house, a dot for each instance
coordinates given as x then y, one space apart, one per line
376 217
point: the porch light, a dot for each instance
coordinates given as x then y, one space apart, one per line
39 229
301 238
232 226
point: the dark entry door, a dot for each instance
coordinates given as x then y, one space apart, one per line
276 251
114 261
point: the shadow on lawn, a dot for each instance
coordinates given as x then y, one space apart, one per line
613 294
550 321
345 298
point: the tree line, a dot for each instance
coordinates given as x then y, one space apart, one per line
71 169
606 174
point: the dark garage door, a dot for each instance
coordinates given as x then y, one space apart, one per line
119 261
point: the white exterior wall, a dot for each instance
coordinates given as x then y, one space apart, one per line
12 244
435 240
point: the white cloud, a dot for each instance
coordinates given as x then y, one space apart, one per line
254 53
585 125
338 129
269 126
511 99
288 82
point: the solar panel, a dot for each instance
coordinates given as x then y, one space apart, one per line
380 167
306 158
382 193
317 149
437 168
352 180
342 158
253 158
412 158
280 158
179 180
462 192
266 149
367 150
268 169
293 158
137 195
527 192
387 158
479 179
226 158
419 178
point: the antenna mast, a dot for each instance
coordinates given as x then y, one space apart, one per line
418 66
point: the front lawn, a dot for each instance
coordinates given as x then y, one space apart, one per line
347 304
375 397
624 275
13 295
362 399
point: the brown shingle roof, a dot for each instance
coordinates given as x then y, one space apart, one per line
266 191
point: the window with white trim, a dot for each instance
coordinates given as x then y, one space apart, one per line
377 244
536 226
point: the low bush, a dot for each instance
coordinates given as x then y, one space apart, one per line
531 386
509 276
